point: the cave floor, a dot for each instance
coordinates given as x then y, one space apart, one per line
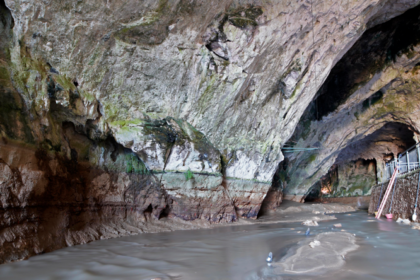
376 250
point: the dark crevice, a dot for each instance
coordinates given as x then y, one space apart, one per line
314 192
165 213
274 195
377 48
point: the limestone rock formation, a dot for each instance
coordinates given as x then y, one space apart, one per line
114 114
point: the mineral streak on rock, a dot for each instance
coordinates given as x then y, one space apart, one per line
116 115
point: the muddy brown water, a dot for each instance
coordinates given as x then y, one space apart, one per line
387 251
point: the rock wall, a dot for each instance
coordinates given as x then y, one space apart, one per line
116 113
241 72
352 179
404 197
357 178
49 202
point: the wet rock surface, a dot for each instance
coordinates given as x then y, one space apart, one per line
49 202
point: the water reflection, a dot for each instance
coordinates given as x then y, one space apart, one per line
386 225
387 251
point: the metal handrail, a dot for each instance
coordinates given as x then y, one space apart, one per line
404 162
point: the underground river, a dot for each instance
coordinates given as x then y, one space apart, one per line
386 250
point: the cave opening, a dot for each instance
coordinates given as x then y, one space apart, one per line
348 99
347 179
390 139
361 164
314 193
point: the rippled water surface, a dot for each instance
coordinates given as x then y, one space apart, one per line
387 251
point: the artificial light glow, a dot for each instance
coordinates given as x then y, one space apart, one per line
325 190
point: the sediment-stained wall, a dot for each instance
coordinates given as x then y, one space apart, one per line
49 202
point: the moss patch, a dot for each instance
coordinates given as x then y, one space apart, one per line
135 165
312 158
245 16
188 175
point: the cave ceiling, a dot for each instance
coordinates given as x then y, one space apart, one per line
368 106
